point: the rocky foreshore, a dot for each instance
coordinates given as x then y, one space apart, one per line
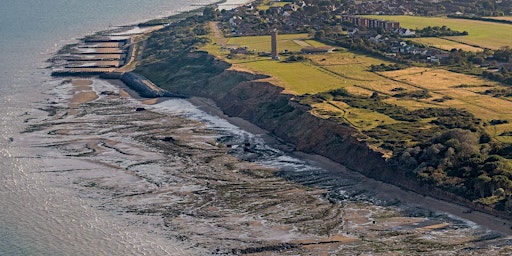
244 95
188 182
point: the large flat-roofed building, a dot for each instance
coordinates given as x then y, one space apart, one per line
371 23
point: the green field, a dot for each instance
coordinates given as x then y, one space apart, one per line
266 4
349 70
445 44
482 34
321 72
262 43
334 70
296 77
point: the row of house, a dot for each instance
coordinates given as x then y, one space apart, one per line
371 23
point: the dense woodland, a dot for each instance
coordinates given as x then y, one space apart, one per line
455 153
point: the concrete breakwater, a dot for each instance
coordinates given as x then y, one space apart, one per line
144 87
105 52
106 55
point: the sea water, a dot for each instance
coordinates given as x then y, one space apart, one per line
36 217
39 214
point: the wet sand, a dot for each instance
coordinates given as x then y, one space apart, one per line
82 92
184 180
382 190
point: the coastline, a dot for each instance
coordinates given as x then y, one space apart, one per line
391 192
388 176
395 192
253 209
384 191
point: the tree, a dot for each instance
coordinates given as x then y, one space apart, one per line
503 54
320 34
481 184
210 13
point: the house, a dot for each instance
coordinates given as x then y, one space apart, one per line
405 32
352 31
437 58
376 39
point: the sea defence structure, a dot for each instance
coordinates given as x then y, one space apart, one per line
105 55
144 87
94 56
105 52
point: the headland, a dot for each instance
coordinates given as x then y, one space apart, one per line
254 97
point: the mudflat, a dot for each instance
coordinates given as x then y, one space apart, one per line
222 190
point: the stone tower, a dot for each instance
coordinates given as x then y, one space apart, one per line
273 42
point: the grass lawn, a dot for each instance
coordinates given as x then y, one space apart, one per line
334 70
296 77
445 44
315 43
349 70
262 43
481 33
266 4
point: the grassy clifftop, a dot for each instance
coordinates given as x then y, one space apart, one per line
429 126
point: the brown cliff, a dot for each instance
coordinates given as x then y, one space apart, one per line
248 96
245 95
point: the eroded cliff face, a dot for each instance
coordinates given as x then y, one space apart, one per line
265 105
247 96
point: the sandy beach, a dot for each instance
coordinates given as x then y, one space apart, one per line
382 190
187 181
214 184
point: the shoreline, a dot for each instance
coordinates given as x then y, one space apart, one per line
391 192
219 187
481 218
406 197
384 191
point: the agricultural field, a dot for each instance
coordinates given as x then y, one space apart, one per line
507 18
459 91
481 33
290 42
350 71
445 44
266 4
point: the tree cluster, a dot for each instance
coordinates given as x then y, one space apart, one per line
437 31
460 161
